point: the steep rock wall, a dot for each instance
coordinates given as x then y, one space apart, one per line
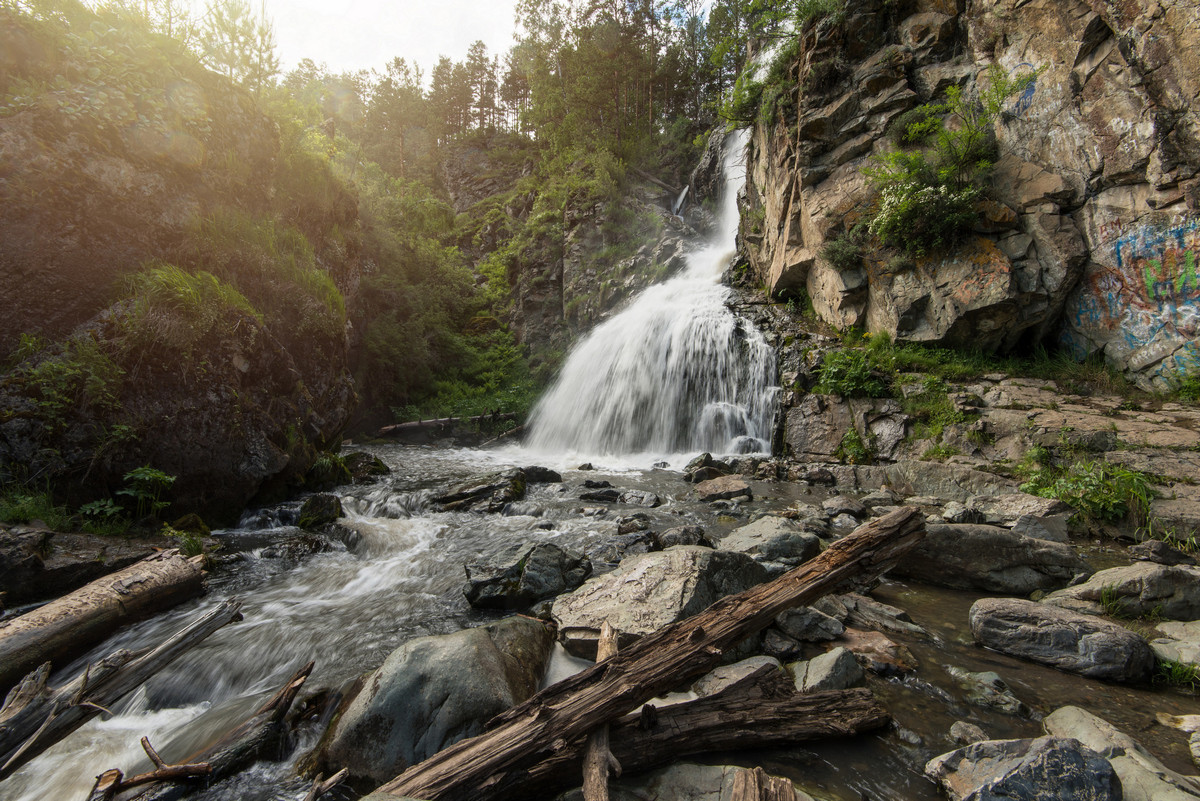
1089 238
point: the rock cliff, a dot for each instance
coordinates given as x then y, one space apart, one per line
1089 232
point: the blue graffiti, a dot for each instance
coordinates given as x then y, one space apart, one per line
1026 99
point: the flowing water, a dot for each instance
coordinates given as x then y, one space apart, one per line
673 374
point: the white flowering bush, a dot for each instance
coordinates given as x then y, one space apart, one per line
920 219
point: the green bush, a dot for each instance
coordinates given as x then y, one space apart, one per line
67 379
1097 490
844 252
145 485
18 505
850 373
921 219
852 449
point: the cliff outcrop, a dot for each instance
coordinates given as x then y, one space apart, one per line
1088 233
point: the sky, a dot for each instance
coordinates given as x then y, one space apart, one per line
366 34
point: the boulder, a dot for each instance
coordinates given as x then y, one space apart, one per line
601 496
434 691
1045 769
497 489
1178 642
988 690
1160 553
965 733
835 670
1142 588
807 624
649 591
718 679
843 505
773 539
723 488
682 781
1060 638
38 564
684 535
319 510
647 500
945 482
989 558
877 653
1143 778
625 545
541 475
523 575
864 612
364 467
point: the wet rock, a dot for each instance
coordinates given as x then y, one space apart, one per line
780 646
723 488
541 475
965 733
633 523
434 691
1045 769
684 535
593 483
716 680
865 612
991 559
37 564
844 505
601 496
842 525
877 653
319 510
364 467
626 545
1160 553
807 624
191 524
1142 588
703 474
649 591
497 489
640 498
1054 529
680 782
773 539
1143 778
585 467
296 546
836 670
988 690
1178 642
1060 638
524 575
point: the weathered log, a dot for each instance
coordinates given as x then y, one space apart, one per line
256 738
439 422
35 717
321 785
77 621
656 664
598 758
762 710
112 783
758 785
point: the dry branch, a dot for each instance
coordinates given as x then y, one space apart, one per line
78 620
565 712
112 783
35 716
321 786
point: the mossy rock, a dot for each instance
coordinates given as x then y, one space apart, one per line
364 467
319 510
191 524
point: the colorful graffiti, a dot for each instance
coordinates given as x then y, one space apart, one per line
1142 306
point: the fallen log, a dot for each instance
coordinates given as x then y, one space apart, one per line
440 422
598 757
658 663
70 625
256 738
762 710
35 717
757 785
112 783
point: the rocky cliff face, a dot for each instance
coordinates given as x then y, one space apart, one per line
1090 234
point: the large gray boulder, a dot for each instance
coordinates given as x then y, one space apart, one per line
774 540
434 691
1045 769
682 781
1060 638
989 558
1178 642
649 591
1142 588
523 575
833 670
1143 777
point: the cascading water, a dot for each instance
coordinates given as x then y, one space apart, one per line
675 372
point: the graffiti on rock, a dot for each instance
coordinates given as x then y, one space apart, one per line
1141 302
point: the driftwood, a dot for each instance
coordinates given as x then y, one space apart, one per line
112 783
441 422
658 663
35 717
256 738
598 758
757 785
762 710
321 785
75 622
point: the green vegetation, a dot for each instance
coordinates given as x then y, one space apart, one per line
1178 674
1097 490
853 450
146 485
1154 529
1112 603
933 410
19 505
851 373
928 186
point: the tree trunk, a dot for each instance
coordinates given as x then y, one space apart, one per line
658 663
598 758
756 785
258 737
34 717
760 711
64 628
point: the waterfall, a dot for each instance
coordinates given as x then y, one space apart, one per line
676 371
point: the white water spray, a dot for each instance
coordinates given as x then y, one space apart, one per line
675 372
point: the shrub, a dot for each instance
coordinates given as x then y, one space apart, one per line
921 219
852 449
146 485
844 252
23 506
849 373
1097 490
